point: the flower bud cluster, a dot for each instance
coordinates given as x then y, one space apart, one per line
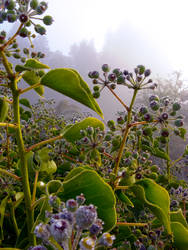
137 80
73 219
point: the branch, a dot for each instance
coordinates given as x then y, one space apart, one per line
44 142
117 97
129 224
3 171
4 124
12 38
29 88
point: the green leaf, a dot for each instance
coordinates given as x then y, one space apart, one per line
161 154
156 198
177 216
72 134
69 83
2 213
35 64
21 68
25 102
96 192
180 235
124 198
31 78
186 150
4 106
44 162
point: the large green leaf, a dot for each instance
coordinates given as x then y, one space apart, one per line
35 64
96 191
31 78
180 235
69 83
72 134
25 102
156 198
177 216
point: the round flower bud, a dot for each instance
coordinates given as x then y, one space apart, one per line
111 77
154 105
96 94
41 8
120 79
23 32
80 199
34 4
178 123
165 132
61 230
148 117
71 205
147 72
107 240
143 110
85 216
117 71
95 74
40 29
87 243
23 18
105 68
164 116
153 98
176 106
42 231
9 4
125 72
11 18
66 215
141 69
47 20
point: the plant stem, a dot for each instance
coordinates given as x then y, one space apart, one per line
29 88
168 163
20 143
116 168
4 124
129 224
12 38
44 143
121 187
117 97
76 240
12 211
3 171
35 186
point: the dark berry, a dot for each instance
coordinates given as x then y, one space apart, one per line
23 18
23 32
143 110
125 72
95 74
40 29
153 98
120 120
111 77
147 117
178 123
165 132
71 205
138 176
105 68
164 116
11 17
147 72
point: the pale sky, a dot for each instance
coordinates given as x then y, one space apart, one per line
162 23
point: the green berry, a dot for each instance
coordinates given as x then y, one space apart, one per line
96 94
105 68
120 79
96 88
23 32
178 123
117 72
110 123
176 106
153 98
147 131
40 29
34 4
47 20
141 69
9 4
154 105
